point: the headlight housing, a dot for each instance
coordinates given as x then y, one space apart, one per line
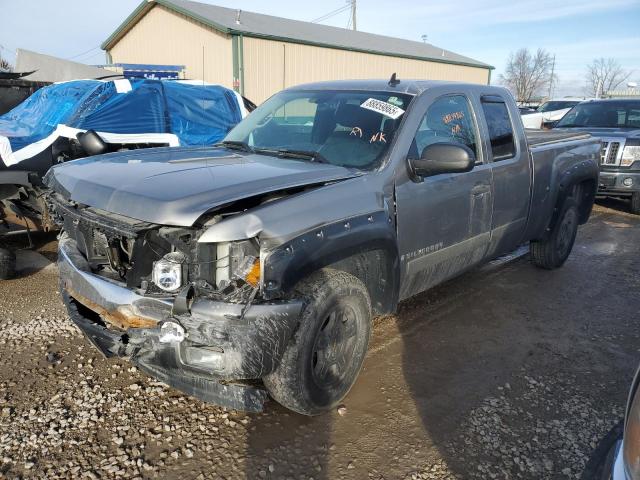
238 261
244 261
630 154
167 272
631 441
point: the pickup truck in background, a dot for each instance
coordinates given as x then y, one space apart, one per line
616 122
254 267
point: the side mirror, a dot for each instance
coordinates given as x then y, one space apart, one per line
440 158
92 143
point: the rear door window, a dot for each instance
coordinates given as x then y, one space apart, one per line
500 128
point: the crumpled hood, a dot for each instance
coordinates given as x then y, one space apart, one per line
175 186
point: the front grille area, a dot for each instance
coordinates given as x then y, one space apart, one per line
610 153
125 249
603 152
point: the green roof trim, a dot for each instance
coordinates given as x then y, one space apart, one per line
142 10
147 5
125 24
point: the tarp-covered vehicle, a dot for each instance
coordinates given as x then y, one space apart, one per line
82 118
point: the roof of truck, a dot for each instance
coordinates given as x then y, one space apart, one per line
411 86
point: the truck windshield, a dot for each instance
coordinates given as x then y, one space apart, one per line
345 128
603 115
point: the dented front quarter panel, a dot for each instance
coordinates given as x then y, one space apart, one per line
318 228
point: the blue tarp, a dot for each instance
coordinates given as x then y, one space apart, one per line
39 115
197 114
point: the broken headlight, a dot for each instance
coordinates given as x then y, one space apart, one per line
238 261
167 272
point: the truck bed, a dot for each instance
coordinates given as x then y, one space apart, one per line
554 152
537 138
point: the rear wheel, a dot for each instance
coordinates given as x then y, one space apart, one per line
7 264
555 249
324 357
635 203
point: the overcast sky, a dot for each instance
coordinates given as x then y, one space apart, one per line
577 31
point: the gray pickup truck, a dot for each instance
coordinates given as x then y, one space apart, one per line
255 266
617 123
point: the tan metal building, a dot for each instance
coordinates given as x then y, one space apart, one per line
259 55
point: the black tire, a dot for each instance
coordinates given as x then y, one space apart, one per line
325 355
600 463
635 203
555 249
7 264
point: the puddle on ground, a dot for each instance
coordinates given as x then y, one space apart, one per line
618 224
601 248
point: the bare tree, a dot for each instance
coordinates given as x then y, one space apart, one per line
527 73
604 75
5 66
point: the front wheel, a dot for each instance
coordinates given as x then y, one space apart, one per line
635 203
324 357
555 249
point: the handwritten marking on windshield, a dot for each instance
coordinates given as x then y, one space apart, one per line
450 117
378 137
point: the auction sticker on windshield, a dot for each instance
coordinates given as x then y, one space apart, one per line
384 108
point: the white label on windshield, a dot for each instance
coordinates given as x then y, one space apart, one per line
384 108
122 85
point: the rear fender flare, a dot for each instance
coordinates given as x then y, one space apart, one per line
584 174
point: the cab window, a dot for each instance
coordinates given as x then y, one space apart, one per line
496 114
448 119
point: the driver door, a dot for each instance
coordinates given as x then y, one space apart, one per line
443 221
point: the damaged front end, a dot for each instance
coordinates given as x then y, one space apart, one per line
188 313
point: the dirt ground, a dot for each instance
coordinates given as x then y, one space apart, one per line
506 372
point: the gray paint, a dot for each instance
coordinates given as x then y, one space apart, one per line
175 186
409 233
491 209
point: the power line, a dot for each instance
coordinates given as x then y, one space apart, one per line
83 53
333 13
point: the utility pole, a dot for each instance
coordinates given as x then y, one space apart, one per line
353 14
553 69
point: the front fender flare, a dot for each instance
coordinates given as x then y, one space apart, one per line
324 246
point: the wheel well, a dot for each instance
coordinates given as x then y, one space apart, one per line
584 193
375 269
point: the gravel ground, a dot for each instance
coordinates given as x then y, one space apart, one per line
506 372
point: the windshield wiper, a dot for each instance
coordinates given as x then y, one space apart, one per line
235 145
310 154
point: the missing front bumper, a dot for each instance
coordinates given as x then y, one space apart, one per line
220 347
